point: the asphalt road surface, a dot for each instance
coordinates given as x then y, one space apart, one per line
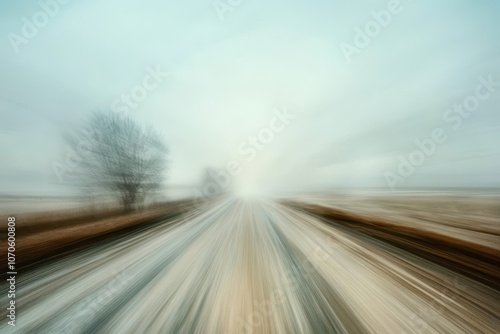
249 267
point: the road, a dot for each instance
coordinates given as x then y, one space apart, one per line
249 267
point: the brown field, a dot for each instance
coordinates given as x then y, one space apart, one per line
462 233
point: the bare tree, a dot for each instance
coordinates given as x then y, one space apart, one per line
121 158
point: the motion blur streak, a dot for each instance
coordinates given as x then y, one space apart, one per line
246 266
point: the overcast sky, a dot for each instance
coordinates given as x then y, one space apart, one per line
231 67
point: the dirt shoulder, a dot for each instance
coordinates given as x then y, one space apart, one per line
48 234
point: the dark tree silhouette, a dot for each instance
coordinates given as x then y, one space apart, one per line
120 158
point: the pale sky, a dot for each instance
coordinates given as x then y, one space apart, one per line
352 120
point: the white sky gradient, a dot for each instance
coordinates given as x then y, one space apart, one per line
352 120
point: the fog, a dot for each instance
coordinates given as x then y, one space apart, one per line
266 88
